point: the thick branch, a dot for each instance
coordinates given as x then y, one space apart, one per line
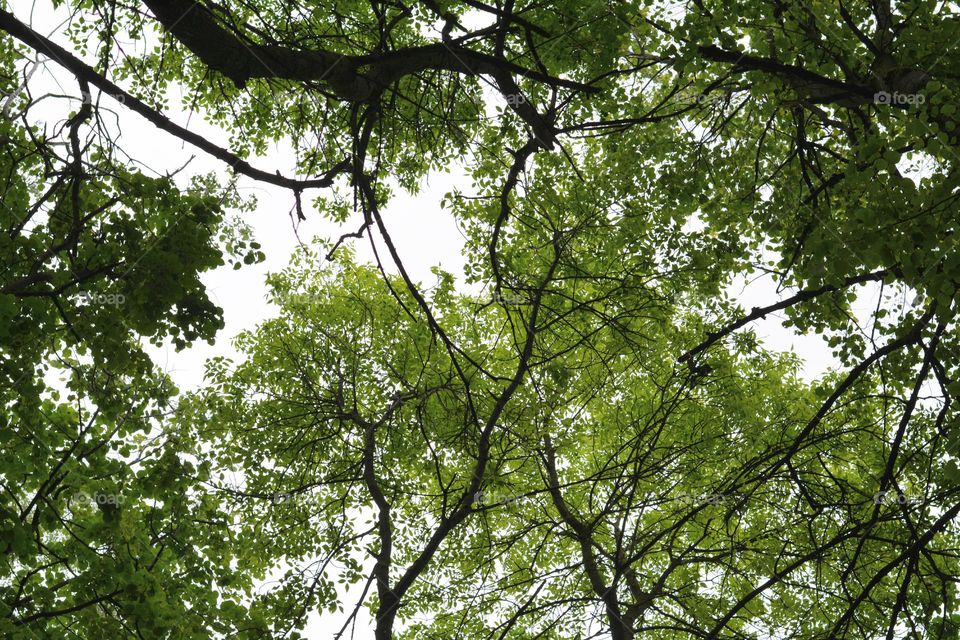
45 46
584 534
355 78
819 88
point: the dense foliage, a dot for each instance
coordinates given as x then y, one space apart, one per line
595 445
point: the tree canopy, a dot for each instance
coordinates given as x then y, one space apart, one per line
581 435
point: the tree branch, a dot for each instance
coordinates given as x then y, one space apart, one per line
759 312
199 30
45 46
820 88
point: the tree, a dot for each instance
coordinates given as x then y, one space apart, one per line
100 534
600 445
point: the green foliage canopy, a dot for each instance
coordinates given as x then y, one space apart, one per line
597 445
